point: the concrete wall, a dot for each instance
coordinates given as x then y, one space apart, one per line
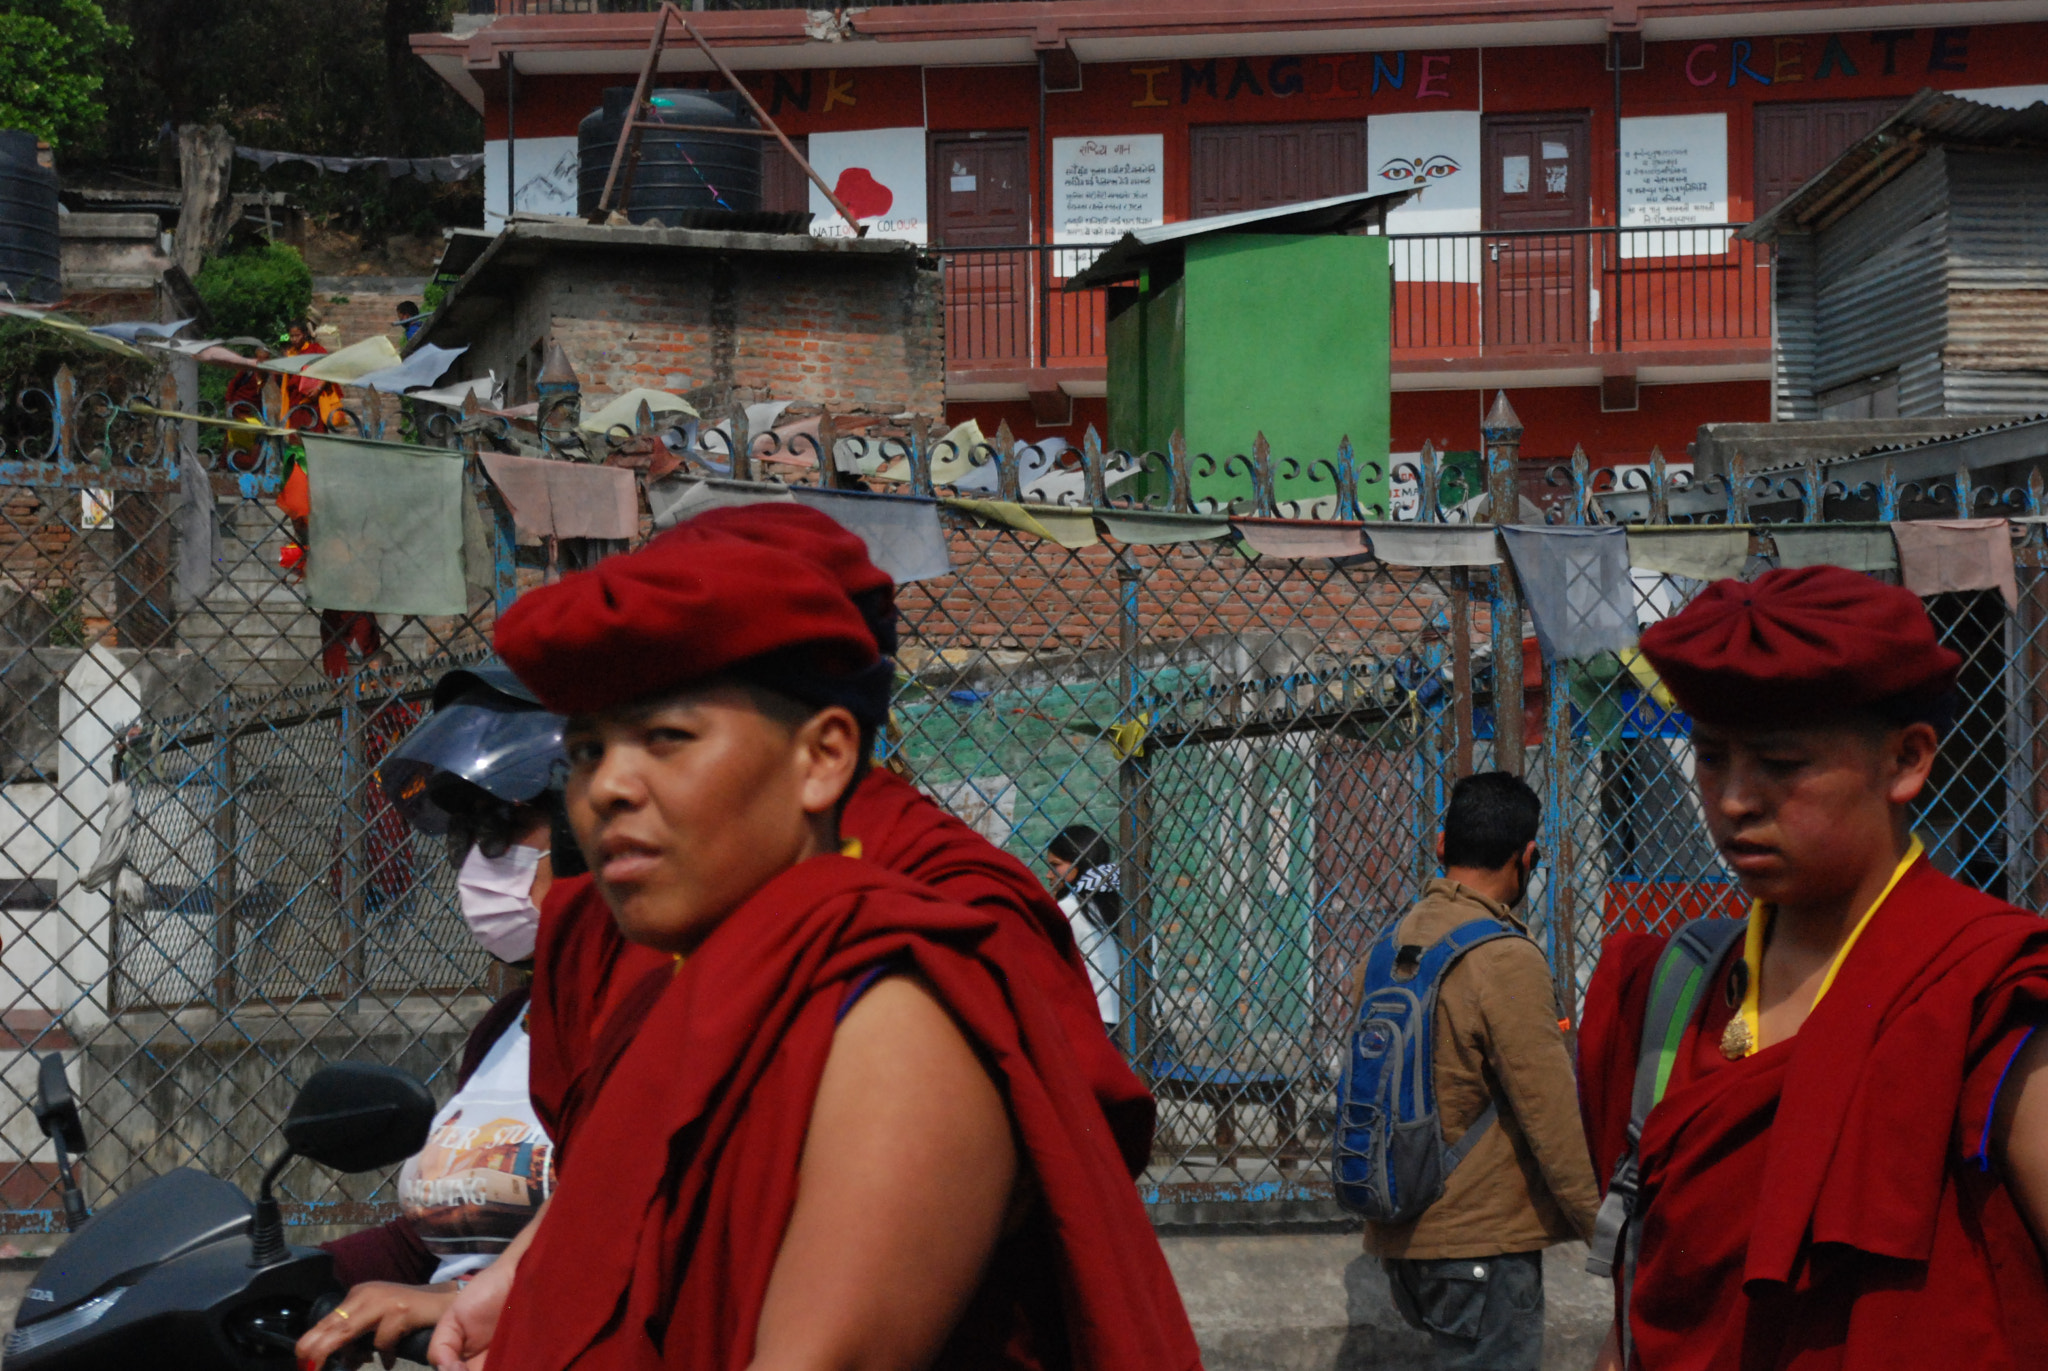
1316 1302
1295 1302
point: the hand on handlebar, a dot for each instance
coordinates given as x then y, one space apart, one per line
374 1314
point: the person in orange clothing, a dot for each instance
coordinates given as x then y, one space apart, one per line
848 1126
322 398
1827 1126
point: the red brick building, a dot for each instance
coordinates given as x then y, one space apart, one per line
1578 161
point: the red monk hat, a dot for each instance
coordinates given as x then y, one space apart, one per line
1796 646
815 536
682 611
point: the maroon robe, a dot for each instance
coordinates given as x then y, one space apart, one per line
1830 1202
660 1256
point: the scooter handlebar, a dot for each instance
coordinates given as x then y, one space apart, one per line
412 1347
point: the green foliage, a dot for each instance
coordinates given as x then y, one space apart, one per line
433 295
51 53
261 291
66 616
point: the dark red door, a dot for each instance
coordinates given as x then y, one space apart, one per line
1795 141
1536 192
784 187
1236 167
981 199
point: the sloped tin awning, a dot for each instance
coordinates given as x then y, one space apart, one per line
1143 249
1930 119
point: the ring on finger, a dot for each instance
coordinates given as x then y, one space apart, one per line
341 1313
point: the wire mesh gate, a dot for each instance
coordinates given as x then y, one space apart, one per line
1267 743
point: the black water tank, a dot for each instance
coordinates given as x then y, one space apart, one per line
29 262
678 171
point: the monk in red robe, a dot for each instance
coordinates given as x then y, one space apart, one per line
1849 1165
584 967
850 1126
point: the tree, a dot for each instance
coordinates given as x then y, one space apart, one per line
50 53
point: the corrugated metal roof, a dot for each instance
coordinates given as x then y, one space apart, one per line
1930 118
1923 459
1138 250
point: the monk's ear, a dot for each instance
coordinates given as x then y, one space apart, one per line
1911 756
828 753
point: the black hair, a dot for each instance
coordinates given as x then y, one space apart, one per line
407 309
1492 817
1081 845
1088 850
476 818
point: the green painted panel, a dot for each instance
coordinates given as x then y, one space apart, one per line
1165 364
1126 340
1288 335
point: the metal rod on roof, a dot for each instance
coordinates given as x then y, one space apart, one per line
627 135
831 197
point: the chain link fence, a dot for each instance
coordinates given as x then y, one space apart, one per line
1266 742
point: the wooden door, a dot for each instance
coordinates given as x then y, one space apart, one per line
1237 167
981 198
784 187
1536 193
1795 141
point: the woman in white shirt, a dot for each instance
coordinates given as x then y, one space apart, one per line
481 770
1085 878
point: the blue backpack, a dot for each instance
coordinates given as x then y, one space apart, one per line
1391 1162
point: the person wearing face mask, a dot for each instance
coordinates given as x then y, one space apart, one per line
484 771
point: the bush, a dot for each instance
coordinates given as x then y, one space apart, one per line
260 291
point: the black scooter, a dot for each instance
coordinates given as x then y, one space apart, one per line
183 1273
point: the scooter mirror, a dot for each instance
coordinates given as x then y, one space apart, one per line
359 1116
56 1109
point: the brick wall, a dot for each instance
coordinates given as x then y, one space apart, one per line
853 334
360 307
1015 597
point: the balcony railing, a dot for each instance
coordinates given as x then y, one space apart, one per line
1480 296
1583 290
646 6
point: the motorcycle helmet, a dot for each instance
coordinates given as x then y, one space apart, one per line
487 749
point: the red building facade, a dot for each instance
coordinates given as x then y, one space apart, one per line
1577 163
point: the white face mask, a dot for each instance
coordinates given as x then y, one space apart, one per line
497 901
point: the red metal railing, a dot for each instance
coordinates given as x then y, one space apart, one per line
1456 295
1585 290
1008 307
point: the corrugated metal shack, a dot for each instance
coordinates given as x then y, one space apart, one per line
1912 273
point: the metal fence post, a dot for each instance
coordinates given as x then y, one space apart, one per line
1502 432
1134 819
225 874
355 862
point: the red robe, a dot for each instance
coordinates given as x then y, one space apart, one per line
661 1255
584 969
1829 1202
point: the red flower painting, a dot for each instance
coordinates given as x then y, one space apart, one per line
858 189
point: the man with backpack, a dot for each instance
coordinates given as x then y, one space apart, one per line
1826 1123
1466 1181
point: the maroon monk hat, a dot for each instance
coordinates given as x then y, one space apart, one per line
682 611
1797 646
816 536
